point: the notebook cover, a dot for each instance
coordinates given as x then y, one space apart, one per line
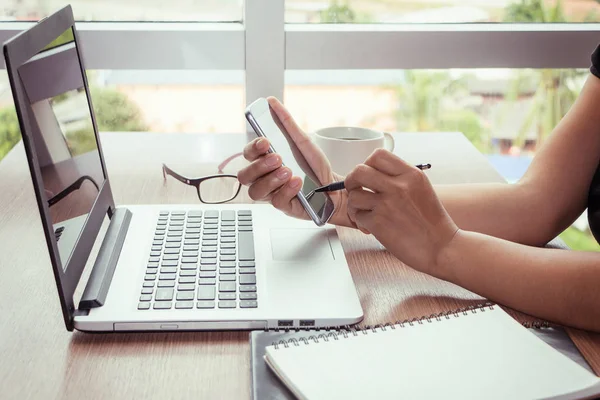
266 385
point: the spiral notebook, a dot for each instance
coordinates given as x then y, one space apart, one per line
479 353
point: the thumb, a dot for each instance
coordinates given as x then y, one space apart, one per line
296 133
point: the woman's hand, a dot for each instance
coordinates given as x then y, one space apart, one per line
397 204
268 180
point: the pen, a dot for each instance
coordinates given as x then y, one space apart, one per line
332 187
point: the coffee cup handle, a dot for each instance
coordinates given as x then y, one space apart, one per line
390 144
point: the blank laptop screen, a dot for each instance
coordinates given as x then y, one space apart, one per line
64 138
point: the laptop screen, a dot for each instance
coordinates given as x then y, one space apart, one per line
64 136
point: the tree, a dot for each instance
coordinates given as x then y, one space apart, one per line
10 134
555 94
342 13
430 101
115 112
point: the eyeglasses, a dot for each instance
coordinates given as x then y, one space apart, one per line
212 189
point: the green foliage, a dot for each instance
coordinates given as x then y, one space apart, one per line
578 240
10 134
468 122
115 112
534 11
342 13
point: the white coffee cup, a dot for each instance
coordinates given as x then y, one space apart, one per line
346 147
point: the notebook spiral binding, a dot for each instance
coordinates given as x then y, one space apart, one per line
334 333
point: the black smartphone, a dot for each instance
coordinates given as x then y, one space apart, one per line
265 123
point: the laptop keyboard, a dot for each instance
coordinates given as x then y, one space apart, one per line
201 259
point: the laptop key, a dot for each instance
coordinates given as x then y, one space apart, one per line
228 245
195 213
164 294
175 228
209 255
168 270
245 223
148 284
189 253
171 257
185 296
193 225
248 304
176 223
188 266
156 242
169 263
205 304
188 272
207 281
209 243
227 234
152 265
210 236
228 223
227 304
246 288
146 297
184 304
246 246
163 213
155 254
245 229
208 261
187 279
166 277
228 240
178 212
151 271
247 279
248 296
227 287
174 234
149 277
248 271
166 284
187 287
208 267
162 305
191 242
227 278
227 215
244 212
245 218
211 214
230 252
156 248
206 293
192 231
188 260
246 264
228 229
210 222
208 274
227 258
227 296
207 249
173 239
172 245
227 271
144 306
192 236
227 264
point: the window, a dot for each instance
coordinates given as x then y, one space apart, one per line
127 10
434 11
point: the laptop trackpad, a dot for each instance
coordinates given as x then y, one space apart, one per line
300 245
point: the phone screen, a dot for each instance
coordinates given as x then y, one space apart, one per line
284 145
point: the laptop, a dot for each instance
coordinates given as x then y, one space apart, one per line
158 267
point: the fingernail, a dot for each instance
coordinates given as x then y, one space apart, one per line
295 183
272 160
259 143
283 174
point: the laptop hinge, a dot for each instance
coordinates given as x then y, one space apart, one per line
102 273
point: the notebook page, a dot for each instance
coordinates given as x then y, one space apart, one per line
479 355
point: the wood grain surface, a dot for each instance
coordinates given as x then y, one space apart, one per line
40 359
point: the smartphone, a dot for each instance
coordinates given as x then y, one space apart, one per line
265 123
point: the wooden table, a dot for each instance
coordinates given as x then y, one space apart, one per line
40 359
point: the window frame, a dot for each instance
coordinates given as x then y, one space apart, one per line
264 46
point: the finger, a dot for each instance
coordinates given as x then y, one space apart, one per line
360 199
259 168
263 187
368 177
256 148
363 220
388 163
283 198
288 122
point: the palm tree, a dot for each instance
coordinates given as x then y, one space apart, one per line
554 94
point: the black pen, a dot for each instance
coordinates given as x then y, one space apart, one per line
332 187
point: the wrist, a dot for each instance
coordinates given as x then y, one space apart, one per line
449 257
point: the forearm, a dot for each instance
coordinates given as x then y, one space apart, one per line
497 209
557 285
